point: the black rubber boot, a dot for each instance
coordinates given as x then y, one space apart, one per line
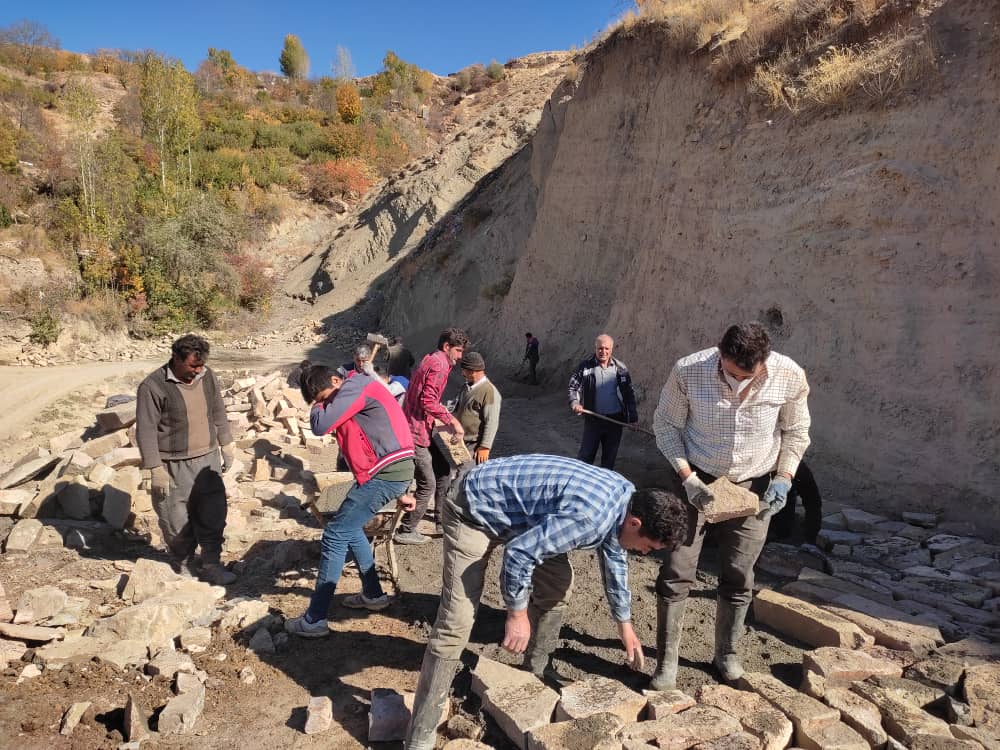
436 675
669 622
729 620
545 627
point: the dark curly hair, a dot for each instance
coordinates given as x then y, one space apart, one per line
453 337
190 344
746 345
314 378
664 516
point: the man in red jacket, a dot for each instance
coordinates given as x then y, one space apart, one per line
375 440
421 407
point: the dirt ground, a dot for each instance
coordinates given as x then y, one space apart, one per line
362 652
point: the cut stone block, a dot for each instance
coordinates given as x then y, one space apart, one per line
987 739
40 604
971 651
805 712
661 704
105 444
182 711
895 552
12 500
494 674
121 457
940 673
117 417
319 715
100 474
453 449
935 742
902 721
842 666
860 521
838 736
520 708
982 692
390 714
28 470
594 732
148 578
913 692
828 538
758 716
742 741
858 713
806 622
135 722
926 520
598 695
23 536
72 717
729 501
683 730
124 653
938 593
848 585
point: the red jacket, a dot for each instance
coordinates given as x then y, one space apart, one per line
423 398
371 429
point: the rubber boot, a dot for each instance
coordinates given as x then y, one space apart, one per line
669 621
545 627
436 675
729 619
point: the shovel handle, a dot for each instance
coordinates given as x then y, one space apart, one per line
631 426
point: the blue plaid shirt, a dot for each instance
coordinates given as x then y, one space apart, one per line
541 506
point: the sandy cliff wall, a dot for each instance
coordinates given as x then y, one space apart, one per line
660 205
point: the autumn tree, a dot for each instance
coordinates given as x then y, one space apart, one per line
349 103
169 101
343 67
81 105
293 59
31 37
8 146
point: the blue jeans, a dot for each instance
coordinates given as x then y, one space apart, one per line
345 533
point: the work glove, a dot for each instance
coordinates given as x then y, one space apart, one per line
159 483
482 454
698 493
228 457
775 496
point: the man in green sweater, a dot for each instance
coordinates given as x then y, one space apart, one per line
182 429
478 407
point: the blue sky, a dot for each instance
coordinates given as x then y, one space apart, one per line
440 35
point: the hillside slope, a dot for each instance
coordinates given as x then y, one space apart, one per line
660 204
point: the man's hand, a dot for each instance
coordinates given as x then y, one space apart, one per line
775 496
159 483
407 502
577 408
482 455
517 632
698 493
633 646
457 429
228 457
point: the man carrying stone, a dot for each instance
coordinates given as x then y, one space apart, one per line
737 410
602 384
541 508
181 428
422 406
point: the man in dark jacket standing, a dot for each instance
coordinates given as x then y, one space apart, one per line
181 428
602 384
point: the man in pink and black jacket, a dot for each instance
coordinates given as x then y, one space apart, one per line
375 440
422 407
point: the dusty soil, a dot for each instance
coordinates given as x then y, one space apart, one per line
362 652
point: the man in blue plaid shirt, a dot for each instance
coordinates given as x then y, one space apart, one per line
540 508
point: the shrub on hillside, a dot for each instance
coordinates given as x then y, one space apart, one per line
45 327
496 71
343 178
255 279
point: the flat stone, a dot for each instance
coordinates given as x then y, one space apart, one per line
465 744
390 714
935 742
902 720
38 605
928 571
805 621
105 444
121 458
895 552
944 542
805 712
117 417
976 548
12 500
926 520
66 441
784 560
74 500
860 714
757 716
741 741
972 566
196 640
915 533
319 715
23 536
944 674
12 650
517 709
838 736
185 682
828 538
100 474
6 613
729 501
164 617
594 732
149 578
860 521
842 666
135 721
58 654
118 493
169 663
683 730
848 584
243 613
182 711
660 704
72 717
28 470
987 739
32 633
971 651
913 692
124 653
598 695
261 642
982 692
494 674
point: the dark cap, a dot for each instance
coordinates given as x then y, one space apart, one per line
472 361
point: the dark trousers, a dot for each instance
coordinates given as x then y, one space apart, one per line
533 371
598 433
804 487
431 471
740 542
193 513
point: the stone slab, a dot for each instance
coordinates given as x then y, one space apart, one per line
757 716
741 741
987 739
683 730
117 417
390 713
860 714
494 674
729 501
28 470
805 621
182 712
598 695
40 604
664 703
901 720
319 716
848 585
861 521
23 536
594 732
805 712
981 689
842 666
105 444
518 709
32 633
838 736
938 672
72 717
136 724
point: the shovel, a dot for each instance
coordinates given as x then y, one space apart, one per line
629 425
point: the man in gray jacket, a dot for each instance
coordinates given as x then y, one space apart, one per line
181 428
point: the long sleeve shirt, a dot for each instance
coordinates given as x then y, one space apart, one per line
422 404
700 420
478 412
541 506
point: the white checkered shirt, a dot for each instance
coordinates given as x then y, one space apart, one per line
701 420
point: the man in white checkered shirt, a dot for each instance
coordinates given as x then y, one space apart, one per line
738 411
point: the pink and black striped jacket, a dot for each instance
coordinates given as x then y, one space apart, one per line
371 429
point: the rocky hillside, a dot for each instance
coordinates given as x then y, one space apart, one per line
660 200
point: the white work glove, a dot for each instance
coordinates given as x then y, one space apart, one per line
698 493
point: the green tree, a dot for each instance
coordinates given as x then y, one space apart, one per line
293 59
169 102
82 107
8 146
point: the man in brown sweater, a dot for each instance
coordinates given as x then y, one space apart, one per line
181 428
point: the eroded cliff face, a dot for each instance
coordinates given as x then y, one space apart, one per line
660 205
